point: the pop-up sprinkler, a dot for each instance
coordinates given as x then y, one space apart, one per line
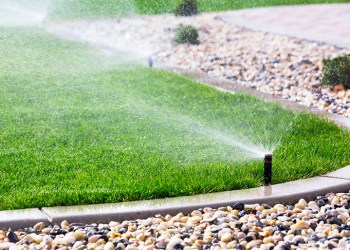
267 169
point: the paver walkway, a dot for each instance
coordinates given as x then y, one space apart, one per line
323 23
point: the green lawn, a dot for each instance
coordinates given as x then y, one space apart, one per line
79 127
112 8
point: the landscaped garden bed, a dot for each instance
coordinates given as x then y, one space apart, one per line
283 66
77 127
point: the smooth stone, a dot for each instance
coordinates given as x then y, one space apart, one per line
94 238
227 237
69 239
47 240
46 230
241 235
320 202
302 201
238 206
198 243
38 239
120 246
343 218
335 220
113 224
313 205
64 224
335 200
267 240
269 229
196 213
300 206
12 237
219 214
283 218
79 235
161 245
248 238
39 226
211 220
77 245
254 244
216 229
108 246
300 225
299 240
28 238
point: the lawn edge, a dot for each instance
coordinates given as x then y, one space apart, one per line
285 193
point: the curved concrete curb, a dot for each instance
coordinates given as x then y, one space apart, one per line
21 218
287 193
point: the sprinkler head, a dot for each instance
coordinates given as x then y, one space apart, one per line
267 169
150 62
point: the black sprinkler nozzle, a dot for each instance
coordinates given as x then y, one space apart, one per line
267 169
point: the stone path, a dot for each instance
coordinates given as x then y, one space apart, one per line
323 23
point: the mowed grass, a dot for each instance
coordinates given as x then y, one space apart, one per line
112 8
79 127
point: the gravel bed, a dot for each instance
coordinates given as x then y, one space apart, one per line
276 64
320 224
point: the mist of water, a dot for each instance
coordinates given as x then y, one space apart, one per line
240 145
225 142
247 148
23 13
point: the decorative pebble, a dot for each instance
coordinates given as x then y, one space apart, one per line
94 238
238 206
260 227
39 226
12 237
226 237
301 225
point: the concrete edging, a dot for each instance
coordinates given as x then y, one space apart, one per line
287 193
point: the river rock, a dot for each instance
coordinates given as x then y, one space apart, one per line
238 206
39 226
300 225
13 238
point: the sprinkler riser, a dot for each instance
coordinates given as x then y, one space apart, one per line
267 169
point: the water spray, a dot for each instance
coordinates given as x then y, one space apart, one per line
267 169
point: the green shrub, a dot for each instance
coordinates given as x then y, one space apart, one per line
336 71
186 34
187 8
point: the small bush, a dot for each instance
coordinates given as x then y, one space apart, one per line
336 71
186 34
187 8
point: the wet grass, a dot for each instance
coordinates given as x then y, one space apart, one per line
112 8
79 127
